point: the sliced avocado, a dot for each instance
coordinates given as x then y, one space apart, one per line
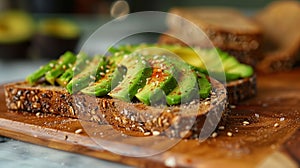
64 62
187 88
38 74
138 70
229 62
109 81
242 70
90 73
204 85
160 83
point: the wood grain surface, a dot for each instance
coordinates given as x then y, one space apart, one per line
264 132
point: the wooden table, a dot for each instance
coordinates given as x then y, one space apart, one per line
265 132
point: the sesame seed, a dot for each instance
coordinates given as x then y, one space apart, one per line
229 134
256 115
232 106
246 122
170 162
221 128
155 133
38 114
282 119
214 134
276 125
141 129
78 131
147 133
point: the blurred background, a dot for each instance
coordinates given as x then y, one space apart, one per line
59 25
34 31
103 6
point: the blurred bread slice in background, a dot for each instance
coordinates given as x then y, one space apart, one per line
227 28
280 23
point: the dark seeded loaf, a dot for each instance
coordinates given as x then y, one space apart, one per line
130 118
226 28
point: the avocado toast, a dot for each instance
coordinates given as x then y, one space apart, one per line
138 94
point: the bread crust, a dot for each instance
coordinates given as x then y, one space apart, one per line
133 118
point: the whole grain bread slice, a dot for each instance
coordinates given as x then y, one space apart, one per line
227 28
132 118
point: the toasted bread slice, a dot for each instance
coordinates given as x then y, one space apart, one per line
280 22
227 28
131 118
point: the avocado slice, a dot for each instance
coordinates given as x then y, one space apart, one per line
242 70
138 70
109 81
187 87
160 83
204 85
89 74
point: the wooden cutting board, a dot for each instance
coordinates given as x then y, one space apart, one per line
265 132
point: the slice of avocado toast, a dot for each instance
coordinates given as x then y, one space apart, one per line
152 79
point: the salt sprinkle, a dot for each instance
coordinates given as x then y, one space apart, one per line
170 162
229 134
78 131
213 135
221 127
232 106
246 122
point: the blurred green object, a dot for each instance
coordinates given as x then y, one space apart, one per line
15 26
16 31
58 27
